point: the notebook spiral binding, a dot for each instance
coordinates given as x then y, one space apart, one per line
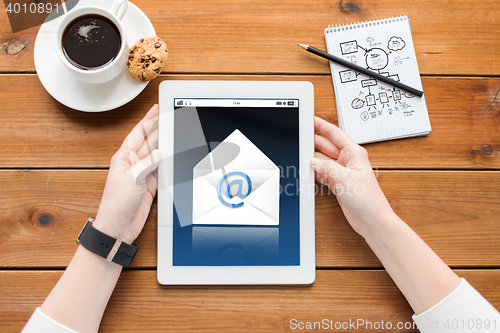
363 24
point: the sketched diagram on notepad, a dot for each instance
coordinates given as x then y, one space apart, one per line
376 99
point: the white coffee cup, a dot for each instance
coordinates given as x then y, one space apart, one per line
102 74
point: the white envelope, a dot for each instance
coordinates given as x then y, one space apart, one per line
260 207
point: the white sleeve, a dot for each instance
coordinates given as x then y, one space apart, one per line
464 310
41 323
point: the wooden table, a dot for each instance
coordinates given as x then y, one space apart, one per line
54 160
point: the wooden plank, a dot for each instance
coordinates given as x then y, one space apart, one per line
456 212
140 304
37 131
235 36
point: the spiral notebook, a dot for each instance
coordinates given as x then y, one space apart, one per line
369 110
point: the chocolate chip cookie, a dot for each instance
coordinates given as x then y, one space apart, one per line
147 58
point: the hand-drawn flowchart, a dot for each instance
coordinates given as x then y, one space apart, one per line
375 99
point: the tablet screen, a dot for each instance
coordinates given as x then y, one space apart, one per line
236 182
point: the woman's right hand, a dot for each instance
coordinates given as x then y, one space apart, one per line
343 165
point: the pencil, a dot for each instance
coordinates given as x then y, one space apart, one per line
363 70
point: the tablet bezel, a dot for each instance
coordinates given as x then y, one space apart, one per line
304 273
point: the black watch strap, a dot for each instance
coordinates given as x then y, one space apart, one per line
106 246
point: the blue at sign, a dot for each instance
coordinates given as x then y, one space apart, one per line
238 182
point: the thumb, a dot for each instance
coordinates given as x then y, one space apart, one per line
145 166
328 168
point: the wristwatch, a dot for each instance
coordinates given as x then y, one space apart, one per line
112 249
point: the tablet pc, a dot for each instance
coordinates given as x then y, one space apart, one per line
236 190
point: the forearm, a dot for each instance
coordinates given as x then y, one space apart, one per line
423 278
80 297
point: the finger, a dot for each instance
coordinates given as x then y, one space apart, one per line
145 166
320 178
327 167
339 138
326 146
152 184
155 174
150 143
322 156
136 137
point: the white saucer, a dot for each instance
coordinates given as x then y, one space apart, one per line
76 94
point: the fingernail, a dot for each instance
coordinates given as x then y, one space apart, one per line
157 154
315 161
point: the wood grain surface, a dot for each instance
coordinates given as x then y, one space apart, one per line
140 304
455 212
247 36
38 132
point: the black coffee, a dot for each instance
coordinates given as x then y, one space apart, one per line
91 41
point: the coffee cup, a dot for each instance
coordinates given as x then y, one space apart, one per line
90 41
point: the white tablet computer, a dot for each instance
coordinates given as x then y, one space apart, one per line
236 190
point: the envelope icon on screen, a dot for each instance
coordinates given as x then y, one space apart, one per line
243 192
